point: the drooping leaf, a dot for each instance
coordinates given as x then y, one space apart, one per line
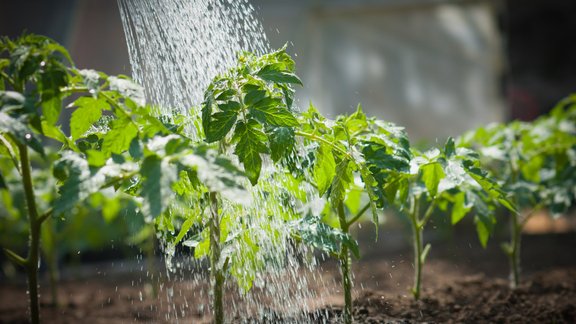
220 125
460 208
251 143
313 232
219 174
79 182
20 131
341 182
369 184
324 168
158 176
449 148
282 142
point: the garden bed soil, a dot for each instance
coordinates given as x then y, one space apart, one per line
462 284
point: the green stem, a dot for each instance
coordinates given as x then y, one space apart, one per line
323 140
345 263
217 276
514 253
357 217
54 275
428 214
417 228
45 216
515 237
34 238
150 248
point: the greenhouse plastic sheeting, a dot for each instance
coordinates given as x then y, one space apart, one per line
435 68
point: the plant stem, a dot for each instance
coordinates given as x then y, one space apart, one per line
514 253
217 276
357 217
150 247
321 139
417 244
345 262
51 256
54 277
34 238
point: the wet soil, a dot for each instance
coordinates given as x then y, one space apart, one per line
462 284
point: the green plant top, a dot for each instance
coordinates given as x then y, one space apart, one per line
249 109
448 178
535 161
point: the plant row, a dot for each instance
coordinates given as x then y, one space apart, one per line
248 166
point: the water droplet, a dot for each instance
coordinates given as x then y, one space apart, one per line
28 136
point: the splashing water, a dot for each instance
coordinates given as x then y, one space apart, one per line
176 48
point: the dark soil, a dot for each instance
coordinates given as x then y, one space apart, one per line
462 284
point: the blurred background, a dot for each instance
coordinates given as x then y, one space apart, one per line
439 67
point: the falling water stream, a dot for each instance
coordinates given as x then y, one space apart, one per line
176 48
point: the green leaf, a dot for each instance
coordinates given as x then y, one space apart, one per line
20 131
282 142
324 168
369 183
218 174
271 111
459 209
54 132
184 229
118 139
110 209
313 232
483 229
276 73
449 148
96 158
51 108
254 96
220 124
432 173
88 112
158 176
341 182
78 184
488 185
251 142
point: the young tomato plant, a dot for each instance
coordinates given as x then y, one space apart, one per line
248 111
126 154
339 173
533 161
424 182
